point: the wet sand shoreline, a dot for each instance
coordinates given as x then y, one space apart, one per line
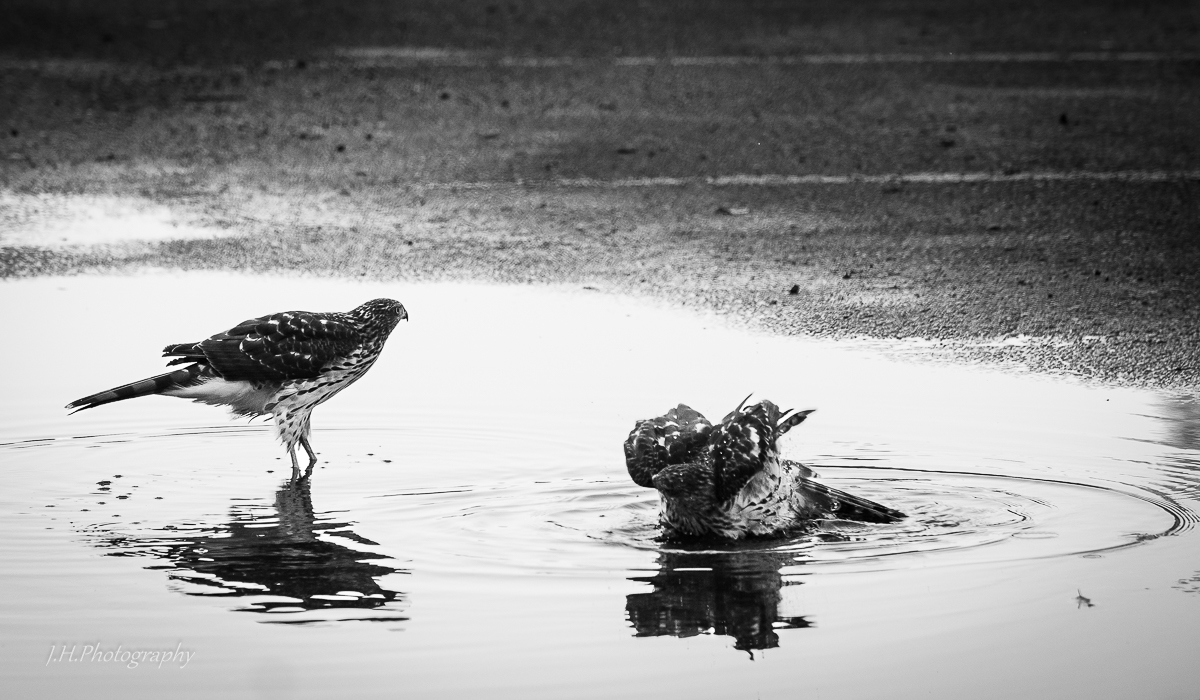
1015 296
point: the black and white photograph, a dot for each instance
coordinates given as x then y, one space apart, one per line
638 349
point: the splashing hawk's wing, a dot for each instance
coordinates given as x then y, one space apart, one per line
676 437
742 442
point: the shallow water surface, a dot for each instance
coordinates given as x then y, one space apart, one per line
471 528
50 221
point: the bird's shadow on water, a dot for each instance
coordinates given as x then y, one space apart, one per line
731 593
283 555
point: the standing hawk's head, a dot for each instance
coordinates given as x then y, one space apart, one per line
381 313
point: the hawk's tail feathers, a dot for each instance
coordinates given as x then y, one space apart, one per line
153 385
847 506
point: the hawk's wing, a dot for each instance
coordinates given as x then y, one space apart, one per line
286 345
675 437
741 443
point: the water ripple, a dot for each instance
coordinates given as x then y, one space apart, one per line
514 504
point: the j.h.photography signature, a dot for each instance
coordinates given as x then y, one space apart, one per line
131 658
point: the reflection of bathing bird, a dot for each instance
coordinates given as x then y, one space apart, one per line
284 365
738 594
728 479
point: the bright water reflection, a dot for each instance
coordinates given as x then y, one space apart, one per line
471 500
50 220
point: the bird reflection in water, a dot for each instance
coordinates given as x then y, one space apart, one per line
736 594
284 556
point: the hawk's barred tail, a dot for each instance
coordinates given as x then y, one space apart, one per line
848 506
153 385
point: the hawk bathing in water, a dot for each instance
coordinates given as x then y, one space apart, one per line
283 365
728 480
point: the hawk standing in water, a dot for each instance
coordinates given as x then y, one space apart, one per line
728 480
283 365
